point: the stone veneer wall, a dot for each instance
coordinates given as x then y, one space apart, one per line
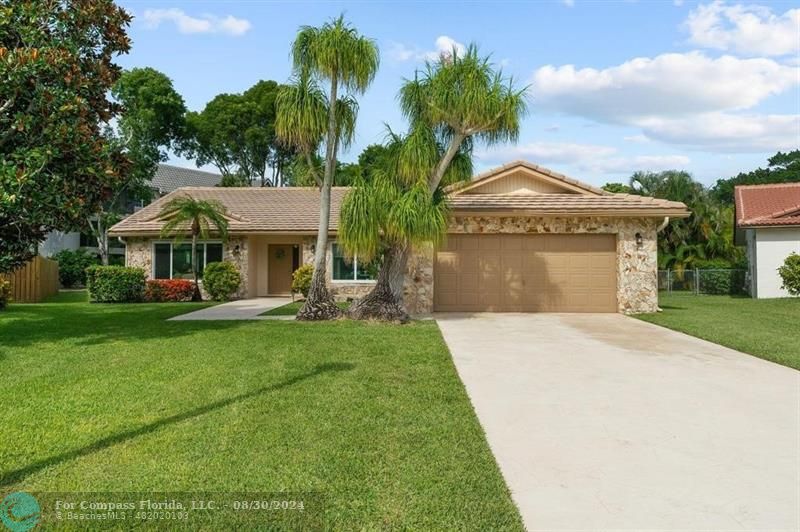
637 288
139 254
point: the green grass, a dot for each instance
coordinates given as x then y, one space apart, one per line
69 296
372 417
766 328
290 309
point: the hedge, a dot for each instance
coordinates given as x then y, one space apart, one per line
72 264
115 284
221 280
5 293
168 290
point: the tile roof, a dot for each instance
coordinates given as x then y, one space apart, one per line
569 204
169 178
767 205
251 210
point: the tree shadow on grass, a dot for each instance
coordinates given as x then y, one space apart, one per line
19 474
672 307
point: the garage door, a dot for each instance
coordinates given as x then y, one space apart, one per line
526 273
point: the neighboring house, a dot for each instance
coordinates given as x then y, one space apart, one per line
166 179
768 224
521 238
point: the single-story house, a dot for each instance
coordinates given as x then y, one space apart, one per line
768 224
521 238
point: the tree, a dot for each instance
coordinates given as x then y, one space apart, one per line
781 168
236 133
152 122
199 218
307 116
617 188
458 100
56 71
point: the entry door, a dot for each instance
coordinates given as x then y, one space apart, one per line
280 268
526 273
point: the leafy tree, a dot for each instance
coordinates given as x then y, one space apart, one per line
236 133
199 218
56 71
456 101
300 174
308 116
617 188
781 168
152 122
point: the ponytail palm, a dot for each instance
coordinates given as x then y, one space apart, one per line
455 102
307 117
200 218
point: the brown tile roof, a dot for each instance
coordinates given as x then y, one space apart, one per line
563 204
251 210
530 166
767 205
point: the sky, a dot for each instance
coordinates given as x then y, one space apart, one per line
712 88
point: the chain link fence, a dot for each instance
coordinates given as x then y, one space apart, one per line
714 282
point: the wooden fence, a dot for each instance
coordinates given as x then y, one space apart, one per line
35 281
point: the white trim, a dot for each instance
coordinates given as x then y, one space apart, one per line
171 247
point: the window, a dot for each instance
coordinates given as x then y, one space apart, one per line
345 269
174 261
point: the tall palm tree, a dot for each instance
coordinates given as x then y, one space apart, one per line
457 101
197 217
307 117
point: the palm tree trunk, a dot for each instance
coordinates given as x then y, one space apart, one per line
193 261
385 301
319 304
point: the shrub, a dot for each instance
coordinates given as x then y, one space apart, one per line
115 284
301 279
5 293
790 274
168 290
718 277
72 266
221 280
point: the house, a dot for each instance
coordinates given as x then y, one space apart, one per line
166 179
521 238
768 224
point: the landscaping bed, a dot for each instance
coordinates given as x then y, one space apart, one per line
290 309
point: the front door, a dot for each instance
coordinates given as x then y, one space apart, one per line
280 268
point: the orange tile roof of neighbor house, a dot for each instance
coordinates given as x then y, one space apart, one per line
767 205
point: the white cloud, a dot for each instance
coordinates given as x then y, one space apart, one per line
585 157
444 45
688 99
638 139
750 30
568 3
206 23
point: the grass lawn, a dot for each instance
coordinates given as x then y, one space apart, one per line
290 309
370 417
766 328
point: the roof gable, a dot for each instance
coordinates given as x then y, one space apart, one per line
522 177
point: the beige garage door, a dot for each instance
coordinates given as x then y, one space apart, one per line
526 273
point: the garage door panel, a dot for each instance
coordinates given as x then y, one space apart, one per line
526 273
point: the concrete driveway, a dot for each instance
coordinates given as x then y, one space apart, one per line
601 421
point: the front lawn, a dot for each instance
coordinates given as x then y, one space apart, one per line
766 328
371 418
290 309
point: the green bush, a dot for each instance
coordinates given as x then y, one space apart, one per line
790 274
115 284
301 279
221 280
72 264
5 293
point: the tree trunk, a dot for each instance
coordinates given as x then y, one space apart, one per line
101 235
385 301
319 304
193 261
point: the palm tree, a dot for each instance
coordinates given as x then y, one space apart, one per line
198 217
306 117
457 101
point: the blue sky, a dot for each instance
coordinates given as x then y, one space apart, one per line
615 87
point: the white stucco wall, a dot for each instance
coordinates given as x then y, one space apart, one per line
767 249
56 241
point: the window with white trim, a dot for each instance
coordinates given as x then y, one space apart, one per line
349 269
173 261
